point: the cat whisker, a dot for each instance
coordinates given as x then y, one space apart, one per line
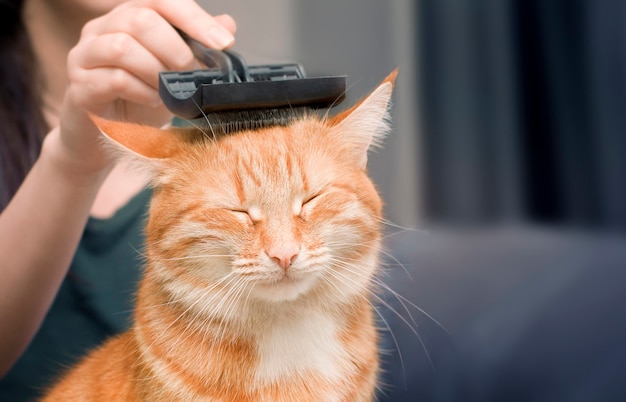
189 307
232 300
401 299
153 306
394 339
196 256
337 275
350 245
154 244
388 234
208 122
202 318
221 332
394 225
382 301
199 128
353 269
325 118
213 310
397 262
336 245
399 296
142 254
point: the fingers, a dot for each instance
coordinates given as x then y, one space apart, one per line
121 53
141 19
192 19
117 50
97 88
138 36
148 30
227 22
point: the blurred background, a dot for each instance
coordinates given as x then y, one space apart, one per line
508 161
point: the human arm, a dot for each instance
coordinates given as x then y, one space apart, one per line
112 72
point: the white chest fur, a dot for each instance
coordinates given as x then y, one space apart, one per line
295 345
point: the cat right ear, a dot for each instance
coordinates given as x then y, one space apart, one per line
146 147
365 125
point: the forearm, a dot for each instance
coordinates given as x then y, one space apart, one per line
39 232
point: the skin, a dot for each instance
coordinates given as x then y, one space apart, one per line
99 57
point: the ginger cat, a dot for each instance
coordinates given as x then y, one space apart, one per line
261 251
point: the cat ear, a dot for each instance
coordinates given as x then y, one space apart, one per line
365 125
142 141
147 148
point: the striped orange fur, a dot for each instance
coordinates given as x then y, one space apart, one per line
260 257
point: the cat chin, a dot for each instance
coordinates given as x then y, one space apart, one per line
286 289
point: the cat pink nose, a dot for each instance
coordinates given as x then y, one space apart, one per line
284 254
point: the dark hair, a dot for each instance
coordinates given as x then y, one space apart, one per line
22 124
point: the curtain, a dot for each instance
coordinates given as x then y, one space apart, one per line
523 111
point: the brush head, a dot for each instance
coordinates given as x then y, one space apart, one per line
229 85
232 121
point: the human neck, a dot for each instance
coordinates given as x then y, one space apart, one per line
53 33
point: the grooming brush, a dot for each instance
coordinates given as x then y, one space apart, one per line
230 95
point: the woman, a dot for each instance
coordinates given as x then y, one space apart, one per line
71 218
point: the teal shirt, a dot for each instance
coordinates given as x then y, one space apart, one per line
94 302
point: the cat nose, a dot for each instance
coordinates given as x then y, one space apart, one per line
284 254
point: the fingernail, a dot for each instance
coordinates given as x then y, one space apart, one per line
221 37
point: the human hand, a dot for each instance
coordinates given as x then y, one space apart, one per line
113 69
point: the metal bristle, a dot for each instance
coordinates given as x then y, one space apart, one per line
230 122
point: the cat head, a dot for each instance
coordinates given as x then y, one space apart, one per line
272 215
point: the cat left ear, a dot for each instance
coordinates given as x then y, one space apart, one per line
365 125
142 141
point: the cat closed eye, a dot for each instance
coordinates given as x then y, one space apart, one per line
242 214
308 200
305 205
